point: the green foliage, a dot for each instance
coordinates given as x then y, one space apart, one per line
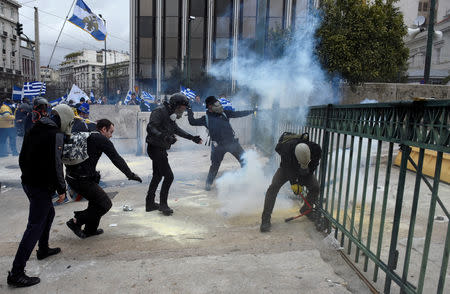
72 55
278 40
363 42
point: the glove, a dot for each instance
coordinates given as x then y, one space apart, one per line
197 139
135 177
297 189
170 139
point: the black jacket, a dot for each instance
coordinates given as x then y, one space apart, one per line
290 162
81 125
40 157
161 126
218 125
97 144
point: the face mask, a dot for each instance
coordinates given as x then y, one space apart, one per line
173 116
217 108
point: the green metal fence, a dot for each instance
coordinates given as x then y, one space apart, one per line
380 213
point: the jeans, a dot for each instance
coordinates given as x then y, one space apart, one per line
161 168
217 154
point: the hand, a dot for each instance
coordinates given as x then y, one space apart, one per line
197 140
170 139
61 198
135 177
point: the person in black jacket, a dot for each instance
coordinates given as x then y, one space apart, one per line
82 122
299 159
223 140
161 131
42 174
84 179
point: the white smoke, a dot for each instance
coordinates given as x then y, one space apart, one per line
243 190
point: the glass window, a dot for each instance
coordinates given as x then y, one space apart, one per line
171 48
146 27
2 8
197 48
249 8
420 6
146 47
222 48
276 8
171 7
198 7
223 8
248 27
171 27
197 27
425 6
223 27
301 7
275 23
93 76
146 8
170 65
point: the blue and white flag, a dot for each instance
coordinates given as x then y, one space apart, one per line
17 93
92 97
85 19
188 92
56 101
33 89
128 98
226 104
148 97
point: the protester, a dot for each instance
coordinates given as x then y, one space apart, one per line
223 140
40 109
7 128
197 104
299 159
84 179
161 131
133 100
42 174
82 122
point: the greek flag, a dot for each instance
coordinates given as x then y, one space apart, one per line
148 97
32 89
55 102
127 99
92 96
226 104
85 19
188 92
17 93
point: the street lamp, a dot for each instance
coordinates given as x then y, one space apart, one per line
105 86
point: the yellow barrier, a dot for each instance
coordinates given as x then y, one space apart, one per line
429 163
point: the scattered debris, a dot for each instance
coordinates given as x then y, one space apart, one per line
440 219
127 207
113 225
122 184
69 266
331 242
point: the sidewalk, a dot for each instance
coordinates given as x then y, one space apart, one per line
197 250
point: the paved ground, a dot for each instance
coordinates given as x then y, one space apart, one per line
200 249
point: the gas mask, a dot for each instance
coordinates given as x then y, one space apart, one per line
217 107
173 116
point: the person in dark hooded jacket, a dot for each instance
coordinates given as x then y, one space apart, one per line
223 140
42 174
161 131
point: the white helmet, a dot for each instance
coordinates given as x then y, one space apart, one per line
66 115
303 155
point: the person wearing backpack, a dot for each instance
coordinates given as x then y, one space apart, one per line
161 131
84 179
223 140
42 174
299 160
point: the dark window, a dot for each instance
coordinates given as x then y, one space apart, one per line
222 48
196 48
249 8
224 8
425 6
198 7
171 48
171 27
146 27
197 27
276 8
223 27
248 27
420 6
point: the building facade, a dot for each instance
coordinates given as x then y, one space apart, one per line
173 34
27 60
10 65
440 56
85 68
49 75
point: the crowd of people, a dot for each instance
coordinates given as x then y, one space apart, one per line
47 132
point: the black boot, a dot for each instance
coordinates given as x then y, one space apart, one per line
165 209
265 224
150 206
21 280
75 228
90 234
43 253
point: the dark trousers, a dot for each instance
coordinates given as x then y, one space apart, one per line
280 177
161 168
98 203
217 154
40 220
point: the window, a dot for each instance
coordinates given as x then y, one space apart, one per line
93 76
420 6
425 6
2 8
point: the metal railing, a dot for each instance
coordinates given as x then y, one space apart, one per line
380 209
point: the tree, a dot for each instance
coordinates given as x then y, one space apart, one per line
362 42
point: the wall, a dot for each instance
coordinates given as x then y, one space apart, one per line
392 92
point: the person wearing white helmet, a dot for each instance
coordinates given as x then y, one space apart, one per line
299 159
42 174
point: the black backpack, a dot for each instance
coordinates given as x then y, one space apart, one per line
287 140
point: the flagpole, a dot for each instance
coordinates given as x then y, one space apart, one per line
57 40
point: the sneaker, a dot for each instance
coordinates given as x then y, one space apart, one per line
208 187
88 234
151 206
75 228
41 254
22 280
265 226
165 209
